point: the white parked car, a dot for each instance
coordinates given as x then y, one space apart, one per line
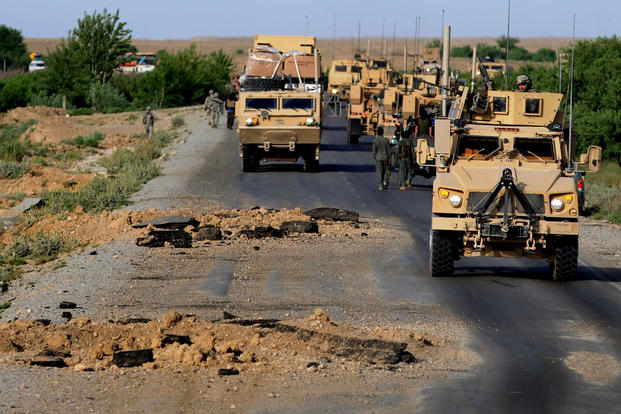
36 65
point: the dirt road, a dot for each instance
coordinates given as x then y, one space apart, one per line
496 337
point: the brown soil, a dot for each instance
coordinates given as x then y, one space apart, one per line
89 228
89 345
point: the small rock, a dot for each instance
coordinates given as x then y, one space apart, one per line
135 358
67 315
208 232
227 371
256 247
67 305
82 367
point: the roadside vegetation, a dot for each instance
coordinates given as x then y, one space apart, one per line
603 193
82 74
498 51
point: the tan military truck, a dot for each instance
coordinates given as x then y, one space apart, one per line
363 111
504 183
279 108
343 74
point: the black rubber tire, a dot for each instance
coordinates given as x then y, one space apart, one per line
353 131
262 84
311 164
565 264
250 163
442 253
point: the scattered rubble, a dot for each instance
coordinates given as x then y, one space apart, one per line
330 213
232 345
299 226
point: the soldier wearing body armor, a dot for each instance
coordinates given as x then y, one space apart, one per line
149 121
406 160
524 84
381 155
207 105
230 110
215 107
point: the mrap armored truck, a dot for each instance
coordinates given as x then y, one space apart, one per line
504 182
279 107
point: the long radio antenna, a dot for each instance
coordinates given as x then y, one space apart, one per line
507 54
570 162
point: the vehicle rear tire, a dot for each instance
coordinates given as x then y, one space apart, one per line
311 164
565 264
353 131
250 162
442 253
262 84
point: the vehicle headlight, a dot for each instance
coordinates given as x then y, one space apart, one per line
334 91
310 121
455 200
248 121
557 204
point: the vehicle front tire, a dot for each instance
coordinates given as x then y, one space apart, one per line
442 253
250 163
565 263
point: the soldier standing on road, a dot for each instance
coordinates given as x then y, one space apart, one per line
207 106
381 153
149 120
404 152
214 109
230 110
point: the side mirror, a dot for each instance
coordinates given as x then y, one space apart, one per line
592 159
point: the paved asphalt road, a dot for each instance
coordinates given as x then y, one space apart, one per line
520 318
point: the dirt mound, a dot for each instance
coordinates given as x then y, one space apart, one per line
92 228
231 344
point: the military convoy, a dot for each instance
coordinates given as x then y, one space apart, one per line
279 107
343 74
504 183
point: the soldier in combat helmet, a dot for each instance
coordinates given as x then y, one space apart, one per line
524 84
215 107
207 105
381 155
149 120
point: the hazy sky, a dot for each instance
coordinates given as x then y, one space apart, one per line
184 19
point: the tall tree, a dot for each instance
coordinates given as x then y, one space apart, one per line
102 39
66 74
13 51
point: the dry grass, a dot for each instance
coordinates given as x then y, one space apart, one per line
342 48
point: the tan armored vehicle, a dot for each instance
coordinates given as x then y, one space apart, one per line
504 184
279 106
343 74
363 111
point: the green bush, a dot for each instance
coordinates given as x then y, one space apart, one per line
42 248
462 52
13 170
80 111
177 121
103 97
91 140
11 149
41 98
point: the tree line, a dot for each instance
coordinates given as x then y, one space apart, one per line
498 52
82 71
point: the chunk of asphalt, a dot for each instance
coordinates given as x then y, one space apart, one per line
169 222
67 305
169 339
373 351
67 315
44 361
330 213
208 232
126 359
131 320
299 226
158 238
261 232
44 322
228 371
54 353
228 315
26 204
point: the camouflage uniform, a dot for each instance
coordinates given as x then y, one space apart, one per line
207 106
230 111
215 107
381 154
405 156
149 120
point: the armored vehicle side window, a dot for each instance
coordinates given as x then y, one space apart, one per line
499 104
477 146
340 68
378 64
297 103
533 106
535 148
261 103
356 69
